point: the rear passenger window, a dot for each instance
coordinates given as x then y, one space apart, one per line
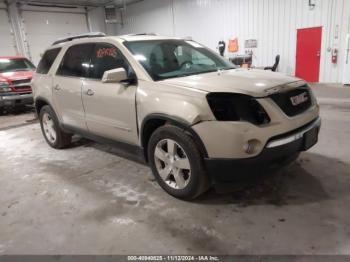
76 61
106 57
47 60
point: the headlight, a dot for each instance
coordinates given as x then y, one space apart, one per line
237 107
4 87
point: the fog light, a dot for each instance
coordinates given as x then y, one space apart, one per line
251 146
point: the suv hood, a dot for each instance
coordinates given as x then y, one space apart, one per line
251 82
16 75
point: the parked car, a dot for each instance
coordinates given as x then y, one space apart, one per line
182 108
16 73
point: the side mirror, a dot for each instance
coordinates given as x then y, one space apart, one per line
114 76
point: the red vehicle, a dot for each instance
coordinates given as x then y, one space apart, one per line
16 73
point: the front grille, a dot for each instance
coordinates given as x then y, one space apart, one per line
290 103
21 84
21 81
21 87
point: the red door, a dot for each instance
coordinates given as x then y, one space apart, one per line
309 54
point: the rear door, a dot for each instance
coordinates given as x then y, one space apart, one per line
42 76
67 86
109 107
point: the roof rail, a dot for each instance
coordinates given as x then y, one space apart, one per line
154 34
87 35
139 34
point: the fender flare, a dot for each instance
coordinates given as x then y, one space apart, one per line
40 98
176 121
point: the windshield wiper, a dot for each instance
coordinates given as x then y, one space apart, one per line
187 74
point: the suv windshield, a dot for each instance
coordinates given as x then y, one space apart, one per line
164 59
17 64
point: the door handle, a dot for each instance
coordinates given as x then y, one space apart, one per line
90 92
57 87
318 54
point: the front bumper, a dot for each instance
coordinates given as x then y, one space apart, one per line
16 100
276 149
230 139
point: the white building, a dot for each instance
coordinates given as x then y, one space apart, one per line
273 23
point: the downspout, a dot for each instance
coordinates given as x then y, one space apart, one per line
88 22
18 29
173 15
11 28
22 32
123 14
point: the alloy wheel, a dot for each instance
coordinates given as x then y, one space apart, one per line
48 126
172 164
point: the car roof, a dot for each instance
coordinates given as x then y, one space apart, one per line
142 37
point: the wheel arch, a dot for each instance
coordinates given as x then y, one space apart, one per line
40 102
153 121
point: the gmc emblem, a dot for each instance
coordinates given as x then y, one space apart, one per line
299 99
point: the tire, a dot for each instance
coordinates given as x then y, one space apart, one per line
188 183
50 127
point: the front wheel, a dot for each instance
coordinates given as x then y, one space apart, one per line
51 130
176 163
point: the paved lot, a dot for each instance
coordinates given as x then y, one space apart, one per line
89 200
23 117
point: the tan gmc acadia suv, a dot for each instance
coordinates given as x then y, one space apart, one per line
187 112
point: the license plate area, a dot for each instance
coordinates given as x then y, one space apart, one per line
310 138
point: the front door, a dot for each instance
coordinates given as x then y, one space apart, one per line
308 54
109 107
